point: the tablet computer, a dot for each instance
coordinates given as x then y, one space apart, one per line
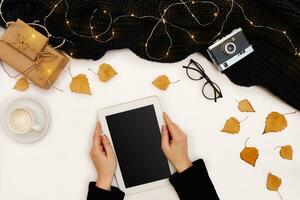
134 131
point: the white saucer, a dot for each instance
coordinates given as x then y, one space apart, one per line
41 114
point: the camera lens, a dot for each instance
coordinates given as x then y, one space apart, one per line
229 48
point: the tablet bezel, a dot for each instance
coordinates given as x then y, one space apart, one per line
152 100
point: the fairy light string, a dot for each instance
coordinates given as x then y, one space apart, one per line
43 26
102 37
52 10
49 34
162 20
1 14
297 52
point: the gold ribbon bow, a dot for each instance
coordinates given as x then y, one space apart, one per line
43 56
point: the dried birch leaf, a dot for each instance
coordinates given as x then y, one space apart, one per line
286 152
273 182
249 155
232 126
162 82
275 122
22 84
245 106
106 72
80 84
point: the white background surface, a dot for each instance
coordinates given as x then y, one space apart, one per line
58 166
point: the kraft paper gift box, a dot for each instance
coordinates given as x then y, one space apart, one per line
24 38
28 52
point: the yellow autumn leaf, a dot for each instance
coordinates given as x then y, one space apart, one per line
245 106
161 82
273 182
286 152
80 84
249 155
232 126
22 84
275 122
106 72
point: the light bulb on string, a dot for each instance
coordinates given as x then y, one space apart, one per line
49 71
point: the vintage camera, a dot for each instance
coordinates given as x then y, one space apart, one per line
230 49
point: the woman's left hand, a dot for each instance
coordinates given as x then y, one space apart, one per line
103 158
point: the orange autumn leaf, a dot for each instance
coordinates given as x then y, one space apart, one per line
80 84
162 82
275 122
106 72
273 182
232 126
249 155
22 84
286 152
245 106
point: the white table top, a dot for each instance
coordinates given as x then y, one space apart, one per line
58 166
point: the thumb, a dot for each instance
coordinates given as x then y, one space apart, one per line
165 140
96 137
107 146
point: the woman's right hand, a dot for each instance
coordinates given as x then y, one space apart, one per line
174 145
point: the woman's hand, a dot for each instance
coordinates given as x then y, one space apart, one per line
174 145
103 158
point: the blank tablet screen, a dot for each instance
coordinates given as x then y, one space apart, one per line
137 142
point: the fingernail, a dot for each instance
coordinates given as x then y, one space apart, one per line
104 137
163 127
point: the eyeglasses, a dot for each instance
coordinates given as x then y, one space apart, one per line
210 90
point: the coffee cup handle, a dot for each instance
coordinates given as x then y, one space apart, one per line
36 127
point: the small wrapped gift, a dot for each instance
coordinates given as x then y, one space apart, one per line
27 51
25 39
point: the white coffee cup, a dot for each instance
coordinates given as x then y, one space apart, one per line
20 120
